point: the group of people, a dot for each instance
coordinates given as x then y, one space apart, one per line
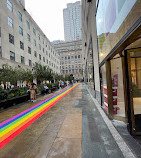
33 91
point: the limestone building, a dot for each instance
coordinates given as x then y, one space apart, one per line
22 42
70 58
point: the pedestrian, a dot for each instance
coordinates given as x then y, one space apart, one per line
46 89
33 91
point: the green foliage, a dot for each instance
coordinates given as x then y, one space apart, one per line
7 94
3 94
12 75
42 72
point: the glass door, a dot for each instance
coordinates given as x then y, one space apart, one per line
134 74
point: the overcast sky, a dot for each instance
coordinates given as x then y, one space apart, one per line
48 14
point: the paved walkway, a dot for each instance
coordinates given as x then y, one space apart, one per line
73 128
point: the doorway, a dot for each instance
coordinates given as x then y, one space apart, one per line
133 75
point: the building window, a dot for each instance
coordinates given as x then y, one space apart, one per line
22 59
39 47
29 50
12 56
10 22
38 36
46 44
78 56
0 51
71 57
9 5
28 25
34 31
43 50
40 56
43 41
30 63
20 16
22 45
47 61
35 54
11 38
28 37
46 53
34 42
44 59
65 58
20 31
75 57
68 57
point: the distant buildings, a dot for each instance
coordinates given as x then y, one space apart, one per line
70 58
72 21
22 42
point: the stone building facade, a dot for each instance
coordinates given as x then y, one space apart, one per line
72 21
22 42
70 58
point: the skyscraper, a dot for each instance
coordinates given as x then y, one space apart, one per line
72 21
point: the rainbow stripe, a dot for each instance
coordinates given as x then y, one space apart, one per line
10 128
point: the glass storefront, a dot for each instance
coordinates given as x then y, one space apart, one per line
118 88
113 21
104 95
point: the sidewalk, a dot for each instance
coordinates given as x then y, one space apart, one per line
75 127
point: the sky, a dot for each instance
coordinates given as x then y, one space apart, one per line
48 14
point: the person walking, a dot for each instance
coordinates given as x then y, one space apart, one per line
33 92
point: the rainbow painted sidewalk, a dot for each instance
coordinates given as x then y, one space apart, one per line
10 128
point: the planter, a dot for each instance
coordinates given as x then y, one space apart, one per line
13 101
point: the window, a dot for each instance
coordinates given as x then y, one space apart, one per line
9 5
78 56
28 25
35 54
22 45
39 46
71 57
20 16
47 61
20 31
10 22
29 50
22 60
28 37
43 41
11 38
43 50
34 42
0 51
68 57
38 36
34 31
44 59
75 57
46 44
30 63
12 56
46 53
65 58
40 56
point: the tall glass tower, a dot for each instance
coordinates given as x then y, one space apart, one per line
72 21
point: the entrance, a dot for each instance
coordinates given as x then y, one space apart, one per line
133 74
